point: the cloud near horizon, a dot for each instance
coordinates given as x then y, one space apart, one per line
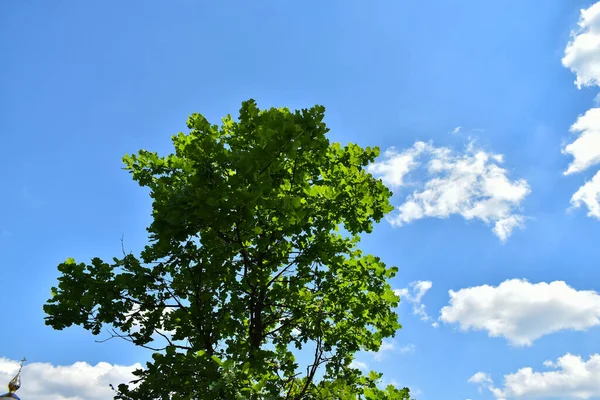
78 381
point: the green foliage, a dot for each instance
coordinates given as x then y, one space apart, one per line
246 263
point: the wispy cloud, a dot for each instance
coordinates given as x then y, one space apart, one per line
31 198
414 294
391 347
359 365
408 349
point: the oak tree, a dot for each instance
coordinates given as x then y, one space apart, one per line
252 259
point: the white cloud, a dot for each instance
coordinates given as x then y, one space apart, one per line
409 348
522 312
79 381
589 194
582 57
480 377
582 54
419 309
573 378
397 164
359 365
549 363
391 347
469 184
385 348
586 148
484 381
140 318
504 227
418 288
384 382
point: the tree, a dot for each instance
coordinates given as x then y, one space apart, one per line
253 251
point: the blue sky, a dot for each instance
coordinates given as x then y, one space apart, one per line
83 83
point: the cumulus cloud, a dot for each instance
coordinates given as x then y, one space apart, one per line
572 378
586 148
414 294
589 195
469 184
582 57
522 312
397 164
79 381
582 54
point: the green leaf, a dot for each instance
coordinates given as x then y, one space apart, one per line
246 244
